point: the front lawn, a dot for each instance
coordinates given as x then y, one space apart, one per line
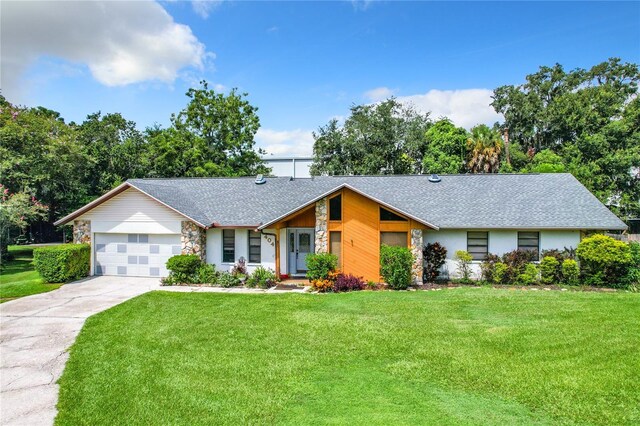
19 278
458 356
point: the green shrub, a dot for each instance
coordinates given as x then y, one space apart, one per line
262 278
463 261
396 264
183 268
633 276
529 276
206 274
500 273
434 256
62 263
320 265
227 279
516 262
570 272
604 260
549 270
488 267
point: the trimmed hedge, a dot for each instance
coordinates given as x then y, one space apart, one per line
320 265
62 263
395 266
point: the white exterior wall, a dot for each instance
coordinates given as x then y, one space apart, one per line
500 242
297 167
132 212
559 239
214 249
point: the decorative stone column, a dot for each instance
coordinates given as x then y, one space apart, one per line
416 250
321 242
193 239
82 231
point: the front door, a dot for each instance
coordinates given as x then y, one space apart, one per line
300 245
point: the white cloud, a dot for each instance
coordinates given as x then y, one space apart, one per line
204 7
465 108
361 5
285 142
378 94
121 42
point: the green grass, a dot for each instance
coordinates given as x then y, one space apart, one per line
460 356
19 278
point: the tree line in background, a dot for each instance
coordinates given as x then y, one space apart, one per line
66 165
586 122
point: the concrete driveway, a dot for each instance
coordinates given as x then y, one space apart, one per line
35 334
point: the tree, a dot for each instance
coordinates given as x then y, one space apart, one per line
116 148
41 155
212 136
446 148
547 161
587 117
484 149
17 210
383 138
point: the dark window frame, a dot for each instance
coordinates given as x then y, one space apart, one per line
335 215
473 243
331 235
255 238
228 250
526 243
405 233
387 215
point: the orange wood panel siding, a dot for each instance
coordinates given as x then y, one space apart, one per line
361 235
304 219
360 227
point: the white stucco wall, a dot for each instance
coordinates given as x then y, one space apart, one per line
500 242
214 249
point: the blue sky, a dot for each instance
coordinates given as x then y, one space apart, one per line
302 63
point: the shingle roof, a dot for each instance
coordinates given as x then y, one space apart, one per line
518 201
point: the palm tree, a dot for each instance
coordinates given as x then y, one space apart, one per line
484 148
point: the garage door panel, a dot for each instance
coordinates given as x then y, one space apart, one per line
134 254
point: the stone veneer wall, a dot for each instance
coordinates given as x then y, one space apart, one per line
416 250
321 243
193 239
82 231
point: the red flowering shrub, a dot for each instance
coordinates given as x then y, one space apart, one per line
348 282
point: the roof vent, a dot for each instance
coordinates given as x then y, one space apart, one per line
434 178
260 180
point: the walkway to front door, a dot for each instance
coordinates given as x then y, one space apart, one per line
300 243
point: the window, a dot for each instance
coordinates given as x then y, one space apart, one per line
255 239
335 208
387 215
530 241
394 239
229 245
137 238
335 245
478 244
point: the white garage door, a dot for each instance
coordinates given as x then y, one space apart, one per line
136 255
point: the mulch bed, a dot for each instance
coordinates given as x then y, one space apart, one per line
438 286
